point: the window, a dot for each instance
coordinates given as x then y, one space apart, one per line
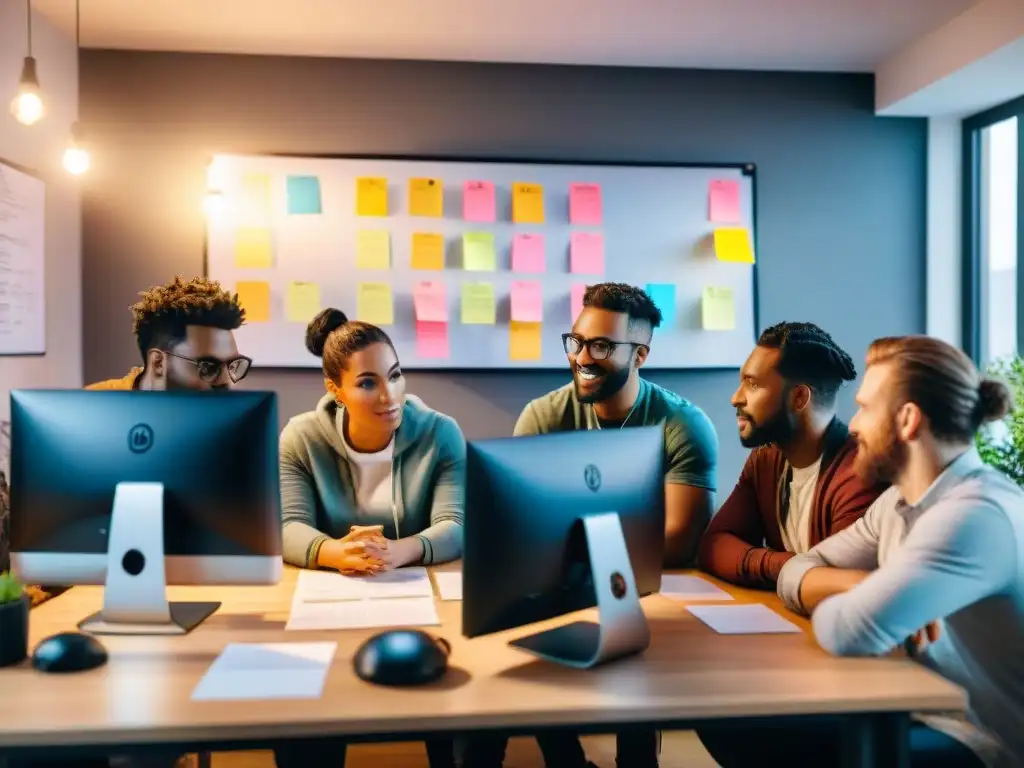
993 224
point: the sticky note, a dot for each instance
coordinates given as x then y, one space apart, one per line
524 341
477 304
256 196
478 252
427 251
373 249
733 244
303 195
586 253
576 300
252 248
432 339
478 201
585 206
431 302
528 253
426 198
374 304
371 196
255 300
664 297
527 301
301 302
717 309
724 201
527 203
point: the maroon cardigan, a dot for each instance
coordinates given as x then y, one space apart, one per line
743 543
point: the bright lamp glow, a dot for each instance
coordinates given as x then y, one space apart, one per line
76 160
27 108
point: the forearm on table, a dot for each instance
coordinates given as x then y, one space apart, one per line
730 557
441 542
821 582
301 544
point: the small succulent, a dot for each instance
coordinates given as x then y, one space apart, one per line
10 588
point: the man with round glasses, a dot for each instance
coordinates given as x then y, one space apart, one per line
185 331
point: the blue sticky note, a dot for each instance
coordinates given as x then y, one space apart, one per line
303 194
664 297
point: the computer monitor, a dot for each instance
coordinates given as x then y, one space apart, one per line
561 522
138 490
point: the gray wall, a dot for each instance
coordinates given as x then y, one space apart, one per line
841 194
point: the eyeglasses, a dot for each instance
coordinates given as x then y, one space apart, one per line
209 368
599 348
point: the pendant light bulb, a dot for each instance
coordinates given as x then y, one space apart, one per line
27 106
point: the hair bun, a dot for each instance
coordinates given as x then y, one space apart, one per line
321 326
994 400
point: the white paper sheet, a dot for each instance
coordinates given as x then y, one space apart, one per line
681 587
449 584
318 586
267 671
752 619
363 614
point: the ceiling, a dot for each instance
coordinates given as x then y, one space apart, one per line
812 35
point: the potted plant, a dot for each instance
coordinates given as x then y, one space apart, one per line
1001 445
14 605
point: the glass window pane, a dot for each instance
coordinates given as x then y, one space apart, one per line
999 240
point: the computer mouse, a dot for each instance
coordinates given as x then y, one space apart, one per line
402 657
69 652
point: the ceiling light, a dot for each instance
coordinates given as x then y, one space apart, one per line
27 106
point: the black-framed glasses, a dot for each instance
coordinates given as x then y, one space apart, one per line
599 348
209 368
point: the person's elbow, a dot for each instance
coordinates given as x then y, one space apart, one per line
838 635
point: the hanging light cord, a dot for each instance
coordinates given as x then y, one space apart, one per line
78 24
28 10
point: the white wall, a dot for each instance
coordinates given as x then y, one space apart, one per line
944 270
39 148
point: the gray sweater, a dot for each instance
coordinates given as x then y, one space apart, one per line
318 497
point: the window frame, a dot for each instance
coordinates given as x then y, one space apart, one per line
974 265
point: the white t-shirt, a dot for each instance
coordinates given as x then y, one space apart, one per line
371 473
796 533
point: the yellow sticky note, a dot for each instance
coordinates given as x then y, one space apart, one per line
527 203
427 251
478 252
733 244
256 196
426 198
477 304
524 341
371 196
252 248
374 304
255 300
717 309
373 249
301 302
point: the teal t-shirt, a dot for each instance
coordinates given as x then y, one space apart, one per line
691 443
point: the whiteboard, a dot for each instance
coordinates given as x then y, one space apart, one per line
22 263
656 229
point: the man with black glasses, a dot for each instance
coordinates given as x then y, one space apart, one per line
608 345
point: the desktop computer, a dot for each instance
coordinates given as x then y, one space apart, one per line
138 490
561 522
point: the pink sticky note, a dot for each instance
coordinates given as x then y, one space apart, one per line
527 302
478 201
577 300
724 201
586 253
528 253
431 302
585 204
432 339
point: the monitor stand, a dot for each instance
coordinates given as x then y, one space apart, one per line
621 629
135 594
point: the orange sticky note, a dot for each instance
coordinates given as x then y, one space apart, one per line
426 198
585 204
371 196
432 340
252 248
527 301
576 301
427 251
733 244
254 297
431 302
524 341
527 203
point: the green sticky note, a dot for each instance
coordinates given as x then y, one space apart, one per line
478 252
478 304
303 195
718 309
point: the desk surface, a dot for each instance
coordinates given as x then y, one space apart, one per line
143 695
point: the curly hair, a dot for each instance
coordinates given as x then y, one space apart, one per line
164 313
644 315
810 356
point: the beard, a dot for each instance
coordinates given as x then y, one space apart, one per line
777 430
609 383
880 461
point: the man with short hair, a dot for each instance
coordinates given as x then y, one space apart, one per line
798 486
185 332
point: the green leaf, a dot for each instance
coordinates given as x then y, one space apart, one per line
1001 445
10 588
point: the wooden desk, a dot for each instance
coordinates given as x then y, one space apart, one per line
690 674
